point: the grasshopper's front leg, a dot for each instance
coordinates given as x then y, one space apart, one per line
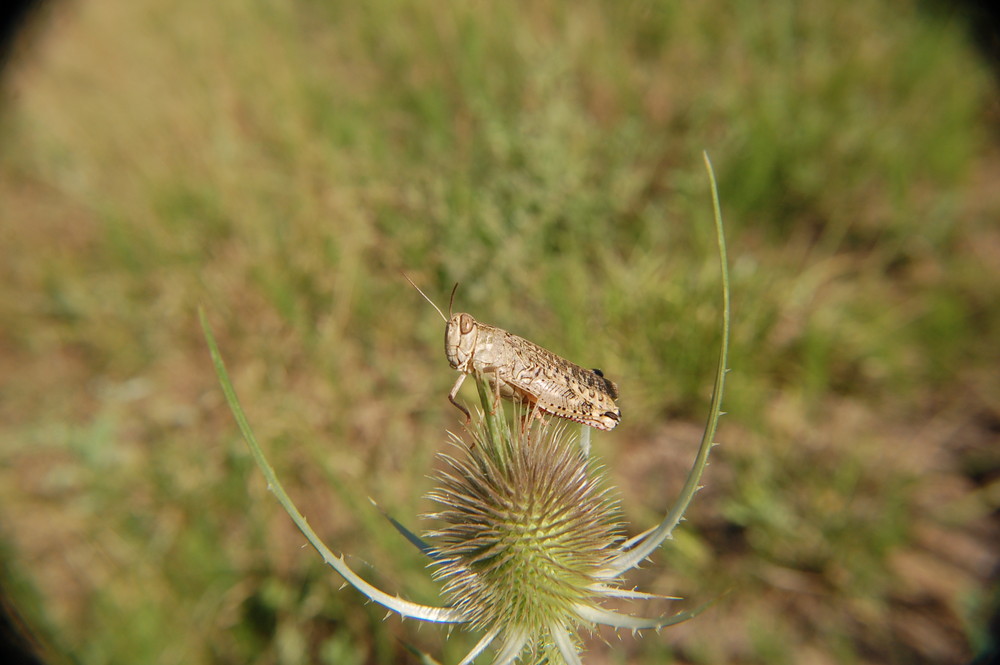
454 392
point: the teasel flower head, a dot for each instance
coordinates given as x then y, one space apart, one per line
527 532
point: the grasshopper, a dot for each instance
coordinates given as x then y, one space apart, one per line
522 371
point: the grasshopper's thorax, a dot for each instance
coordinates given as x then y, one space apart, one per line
460 340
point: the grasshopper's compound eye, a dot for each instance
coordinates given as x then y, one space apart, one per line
466 323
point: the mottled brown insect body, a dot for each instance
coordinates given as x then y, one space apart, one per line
523 371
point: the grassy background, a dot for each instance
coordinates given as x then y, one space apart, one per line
279 163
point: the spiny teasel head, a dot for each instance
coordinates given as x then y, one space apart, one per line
528 530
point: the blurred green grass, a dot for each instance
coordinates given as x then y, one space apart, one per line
280 163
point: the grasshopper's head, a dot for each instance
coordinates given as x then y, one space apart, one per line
460 332
460 340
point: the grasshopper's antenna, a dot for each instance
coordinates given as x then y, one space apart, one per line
451 300
428 299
